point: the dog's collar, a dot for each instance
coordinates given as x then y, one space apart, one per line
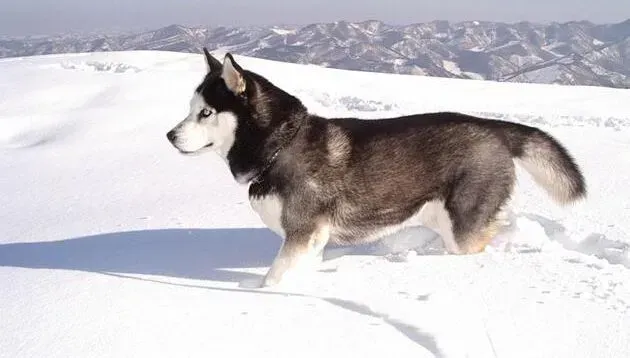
270 162
257 178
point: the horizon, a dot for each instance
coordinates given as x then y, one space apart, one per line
117 30
33 17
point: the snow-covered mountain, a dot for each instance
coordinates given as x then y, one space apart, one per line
573 53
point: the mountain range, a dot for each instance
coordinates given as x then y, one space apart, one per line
571 53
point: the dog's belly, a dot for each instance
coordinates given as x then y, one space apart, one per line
269 209
366 232
431 214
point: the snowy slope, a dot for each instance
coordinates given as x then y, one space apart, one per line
112 244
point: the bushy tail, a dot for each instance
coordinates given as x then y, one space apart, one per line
548 162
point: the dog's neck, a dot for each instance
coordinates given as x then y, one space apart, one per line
289 136
276 119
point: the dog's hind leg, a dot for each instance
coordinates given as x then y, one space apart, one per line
299 251
477 242
477 220
479 195
435 216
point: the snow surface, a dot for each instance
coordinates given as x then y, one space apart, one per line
112 244
280 31
452 67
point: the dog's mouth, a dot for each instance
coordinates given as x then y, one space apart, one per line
201 150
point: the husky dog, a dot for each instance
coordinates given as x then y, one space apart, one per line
315 180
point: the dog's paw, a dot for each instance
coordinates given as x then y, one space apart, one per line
270 280
252 283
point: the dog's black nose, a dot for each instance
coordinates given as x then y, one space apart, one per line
170 135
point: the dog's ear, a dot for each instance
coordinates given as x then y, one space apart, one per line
212 64
232 74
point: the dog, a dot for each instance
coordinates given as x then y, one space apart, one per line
315 180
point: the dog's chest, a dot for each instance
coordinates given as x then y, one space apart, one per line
269 209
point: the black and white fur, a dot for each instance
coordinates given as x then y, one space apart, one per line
315 180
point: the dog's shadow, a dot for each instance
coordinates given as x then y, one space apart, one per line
202 254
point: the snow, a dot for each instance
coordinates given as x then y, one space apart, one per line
549 74
280 31
452 67
113 244
473 75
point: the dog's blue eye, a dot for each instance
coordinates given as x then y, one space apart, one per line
205 113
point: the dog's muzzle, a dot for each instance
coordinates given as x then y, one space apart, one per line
171 136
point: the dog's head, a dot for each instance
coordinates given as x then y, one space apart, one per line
235 113
212 119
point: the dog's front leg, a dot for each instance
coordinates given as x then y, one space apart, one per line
299 251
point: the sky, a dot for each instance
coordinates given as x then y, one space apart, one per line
30 17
